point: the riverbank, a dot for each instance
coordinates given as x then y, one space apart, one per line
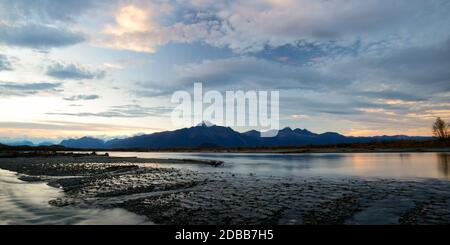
168 195
395 146
71 157
321 150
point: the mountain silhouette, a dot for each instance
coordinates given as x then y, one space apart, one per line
208 135
85 142
187 137
20 143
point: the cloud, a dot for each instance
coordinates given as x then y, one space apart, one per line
43 24
411 74
38 36
336 104
82 97
26 89
5 63
346 61
379 89
48 9
392 95
57 125
244 27
418 70
252 25
255 24
237 73
113 66
69 71
249 26
135 28
126 111
53 129
424 65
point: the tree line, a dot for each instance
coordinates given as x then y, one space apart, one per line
441 129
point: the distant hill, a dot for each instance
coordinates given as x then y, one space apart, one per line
20 143
46 144
26 143
206 136
84 143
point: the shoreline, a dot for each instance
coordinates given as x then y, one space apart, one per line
398 146
285 151
314 150
104 158
291 151
173 196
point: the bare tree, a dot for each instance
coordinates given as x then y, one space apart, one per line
441 129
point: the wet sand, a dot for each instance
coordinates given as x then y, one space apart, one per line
181 196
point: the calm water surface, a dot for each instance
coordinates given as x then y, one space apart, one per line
383 165
27 203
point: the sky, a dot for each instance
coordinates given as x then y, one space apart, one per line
108 68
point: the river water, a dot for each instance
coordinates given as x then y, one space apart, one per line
27 203
24 203
379 165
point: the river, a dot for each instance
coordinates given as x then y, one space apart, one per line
27 203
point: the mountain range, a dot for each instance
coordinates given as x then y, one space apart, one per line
26 143
206 135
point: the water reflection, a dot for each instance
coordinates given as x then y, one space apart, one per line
444 164
384 165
